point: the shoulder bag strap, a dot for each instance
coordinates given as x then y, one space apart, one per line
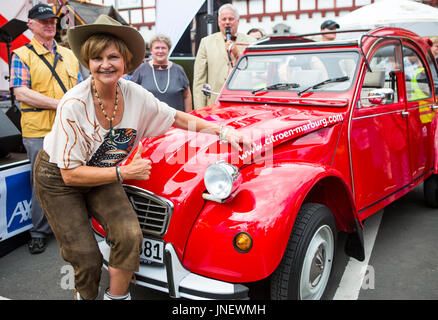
52 68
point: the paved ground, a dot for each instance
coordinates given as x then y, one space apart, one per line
405 254
402 262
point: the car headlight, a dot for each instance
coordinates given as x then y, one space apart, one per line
221 179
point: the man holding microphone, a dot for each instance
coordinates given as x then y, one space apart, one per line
214 59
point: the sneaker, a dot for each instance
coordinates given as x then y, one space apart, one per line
108 296
77 295
37 245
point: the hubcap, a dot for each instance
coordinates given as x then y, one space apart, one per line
317 264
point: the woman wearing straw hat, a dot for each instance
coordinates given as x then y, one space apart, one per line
97 124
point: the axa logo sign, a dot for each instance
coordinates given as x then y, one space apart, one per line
21 215
18 201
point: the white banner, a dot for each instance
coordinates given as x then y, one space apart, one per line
14 9
15 201
173 17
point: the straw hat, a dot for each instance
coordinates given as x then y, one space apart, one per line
104 24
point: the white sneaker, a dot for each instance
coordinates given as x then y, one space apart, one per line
77 295
108 296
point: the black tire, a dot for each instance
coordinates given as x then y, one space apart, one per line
314 223
430 188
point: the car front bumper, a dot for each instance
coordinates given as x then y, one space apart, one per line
179 282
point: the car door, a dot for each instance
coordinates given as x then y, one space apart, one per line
419 106
379 143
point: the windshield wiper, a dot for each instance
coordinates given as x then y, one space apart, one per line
278 86
319 84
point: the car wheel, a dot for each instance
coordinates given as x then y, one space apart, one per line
430 188
305 268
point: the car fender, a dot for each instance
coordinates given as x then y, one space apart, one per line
265 207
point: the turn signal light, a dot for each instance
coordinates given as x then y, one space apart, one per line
242 242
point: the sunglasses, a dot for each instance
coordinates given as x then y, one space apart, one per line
160 66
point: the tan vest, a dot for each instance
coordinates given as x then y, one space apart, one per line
38 122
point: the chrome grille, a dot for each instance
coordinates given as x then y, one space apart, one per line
153 212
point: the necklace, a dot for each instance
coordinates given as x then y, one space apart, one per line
155 80
116 105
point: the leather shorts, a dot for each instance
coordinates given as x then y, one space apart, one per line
68 210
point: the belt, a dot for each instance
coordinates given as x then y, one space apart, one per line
32 110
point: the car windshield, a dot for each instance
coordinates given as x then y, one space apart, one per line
260 73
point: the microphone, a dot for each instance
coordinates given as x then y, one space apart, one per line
228 33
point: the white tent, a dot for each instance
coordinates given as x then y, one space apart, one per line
173 17
13 9
417 17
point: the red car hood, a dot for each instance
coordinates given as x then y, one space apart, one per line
180 157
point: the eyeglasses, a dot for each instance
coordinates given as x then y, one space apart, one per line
160 66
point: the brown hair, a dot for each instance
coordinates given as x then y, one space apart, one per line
95 44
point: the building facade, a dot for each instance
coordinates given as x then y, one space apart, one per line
300 15
296 16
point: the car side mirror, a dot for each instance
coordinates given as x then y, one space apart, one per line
381 96
206 90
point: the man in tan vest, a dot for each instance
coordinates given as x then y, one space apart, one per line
212 63
41 72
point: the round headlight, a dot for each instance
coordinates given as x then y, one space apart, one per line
219 179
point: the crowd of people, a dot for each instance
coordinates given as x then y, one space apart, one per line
70 123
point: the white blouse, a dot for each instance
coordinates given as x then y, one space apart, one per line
78 139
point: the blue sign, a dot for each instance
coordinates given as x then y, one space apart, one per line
18 201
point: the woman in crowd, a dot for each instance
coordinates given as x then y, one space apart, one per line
98 123
166 80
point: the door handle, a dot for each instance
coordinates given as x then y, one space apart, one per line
404 113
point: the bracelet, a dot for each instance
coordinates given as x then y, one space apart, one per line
223 133
119 175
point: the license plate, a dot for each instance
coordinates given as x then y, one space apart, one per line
152 251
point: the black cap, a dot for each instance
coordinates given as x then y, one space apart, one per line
329 24
41 11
